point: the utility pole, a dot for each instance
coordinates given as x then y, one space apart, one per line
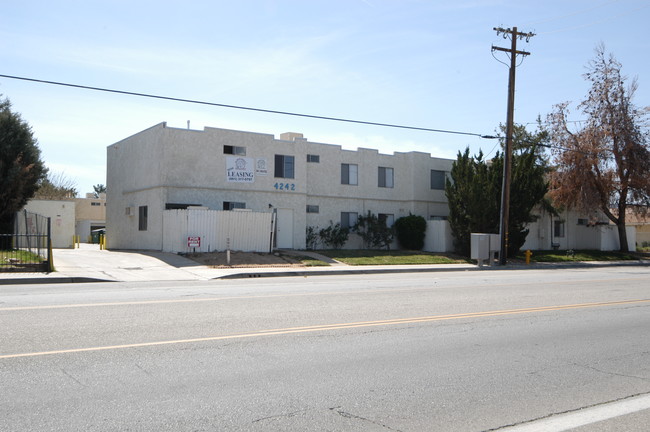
507 159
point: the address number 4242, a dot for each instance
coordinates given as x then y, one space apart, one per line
285 186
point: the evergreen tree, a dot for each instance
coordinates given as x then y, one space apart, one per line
474 191
21 168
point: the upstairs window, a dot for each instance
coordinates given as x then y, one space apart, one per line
313 158
313 209
438 180
385 177
284 166
234 150
349 174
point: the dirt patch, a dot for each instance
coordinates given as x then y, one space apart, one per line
244 259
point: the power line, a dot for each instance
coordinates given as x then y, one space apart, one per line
269 111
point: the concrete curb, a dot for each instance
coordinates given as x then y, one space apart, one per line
50 280
306 273
352 271
260 273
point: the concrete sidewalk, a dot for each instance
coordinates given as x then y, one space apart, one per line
89 264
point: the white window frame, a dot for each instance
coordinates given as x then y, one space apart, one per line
386 177
349 219
234 150
389 218
444 179
350 174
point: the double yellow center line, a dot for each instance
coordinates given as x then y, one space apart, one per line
339 326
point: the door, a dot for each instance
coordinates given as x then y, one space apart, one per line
284 223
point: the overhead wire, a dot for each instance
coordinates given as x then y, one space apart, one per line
239 107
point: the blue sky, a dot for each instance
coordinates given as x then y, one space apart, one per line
410 62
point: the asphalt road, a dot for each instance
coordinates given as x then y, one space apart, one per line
457 351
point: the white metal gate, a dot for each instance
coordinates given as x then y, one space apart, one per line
217 230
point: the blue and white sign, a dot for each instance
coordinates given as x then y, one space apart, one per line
240 169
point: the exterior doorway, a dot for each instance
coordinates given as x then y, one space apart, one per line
284 223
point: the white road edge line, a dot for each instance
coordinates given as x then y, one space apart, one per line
568 421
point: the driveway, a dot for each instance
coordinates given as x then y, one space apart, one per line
128 266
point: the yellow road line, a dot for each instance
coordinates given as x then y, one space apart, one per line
266 296
340 326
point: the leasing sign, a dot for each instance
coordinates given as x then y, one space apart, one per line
240 169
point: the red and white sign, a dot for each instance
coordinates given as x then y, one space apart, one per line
194 242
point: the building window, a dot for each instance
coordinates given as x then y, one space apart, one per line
558 229
179 206
284 166
234 150
385 177
313 158
231 205
142 218
349 174
313 209
438 180
95 204
348 219
583 222
387 219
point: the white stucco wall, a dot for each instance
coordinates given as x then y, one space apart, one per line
62 214
601 236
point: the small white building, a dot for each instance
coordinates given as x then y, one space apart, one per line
304 183
575 231
62 219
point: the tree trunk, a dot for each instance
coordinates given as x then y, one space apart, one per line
622 237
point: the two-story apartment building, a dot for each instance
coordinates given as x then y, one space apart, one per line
305 183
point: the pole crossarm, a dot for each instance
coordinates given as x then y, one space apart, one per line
508 50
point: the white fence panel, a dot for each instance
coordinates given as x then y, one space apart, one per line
174 231
245 231
438 237
203 224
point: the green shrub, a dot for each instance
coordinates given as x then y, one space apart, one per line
311 239
334 236
373 231
411 230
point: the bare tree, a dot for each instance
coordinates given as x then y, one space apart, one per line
57 186
605 164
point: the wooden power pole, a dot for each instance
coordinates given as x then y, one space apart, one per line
507 159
